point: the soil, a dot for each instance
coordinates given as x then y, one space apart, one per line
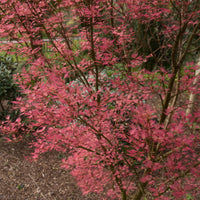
43 179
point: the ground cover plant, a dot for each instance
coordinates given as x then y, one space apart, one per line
117 98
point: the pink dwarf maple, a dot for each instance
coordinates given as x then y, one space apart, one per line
126 127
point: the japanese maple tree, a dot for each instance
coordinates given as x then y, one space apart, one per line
113 91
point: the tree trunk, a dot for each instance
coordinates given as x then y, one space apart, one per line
192 97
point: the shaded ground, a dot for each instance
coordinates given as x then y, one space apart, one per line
41 180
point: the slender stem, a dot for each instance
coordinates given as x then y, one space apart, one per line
119 183
93 56
176 64
174 99
168 95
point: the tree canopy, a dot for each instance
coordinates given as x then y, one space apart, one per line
113 91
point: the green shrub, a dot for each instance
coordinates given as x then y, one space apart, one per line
9 90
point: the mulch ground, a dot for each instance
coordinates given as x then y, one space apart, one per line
40 180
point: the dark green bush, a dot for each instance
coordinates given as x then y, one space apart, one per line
9 90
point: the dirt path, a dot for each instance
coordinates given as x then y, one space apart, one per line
41 180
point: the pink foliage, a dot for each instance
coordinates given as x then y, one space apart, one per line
91 97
